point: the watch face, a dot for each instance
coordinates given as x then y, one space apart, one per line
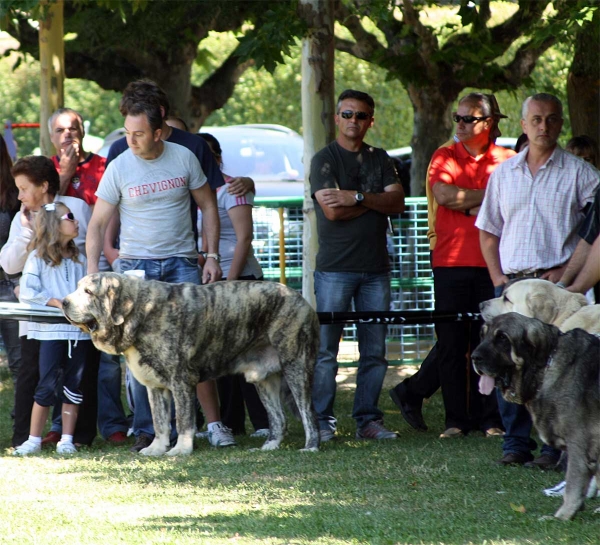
359 197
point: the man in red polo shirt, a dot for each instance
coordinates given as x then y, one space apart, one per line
458 177
80 171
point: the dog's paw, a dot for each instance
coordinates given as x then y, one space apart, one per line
153 450
271 445
179 451
310 449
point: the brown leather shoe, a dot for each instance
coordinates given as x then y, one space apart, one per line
543 462
514 458
51 438
494 432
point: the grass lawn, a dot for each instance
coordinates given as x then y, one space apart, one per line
416 490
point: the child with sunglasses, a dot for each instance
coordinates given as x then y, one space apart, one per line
51 272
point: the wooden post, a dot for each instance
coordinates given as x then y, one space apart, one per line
317 116
52 68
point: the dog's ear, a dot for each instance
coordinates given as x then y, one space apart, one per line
542 307
539 337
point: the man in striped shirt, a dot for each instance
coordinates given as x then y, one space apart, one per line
533 207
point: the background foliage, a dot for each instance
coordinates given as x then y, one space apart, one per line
262 97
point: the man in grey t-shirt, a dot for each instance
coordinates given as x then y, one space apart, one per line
150 185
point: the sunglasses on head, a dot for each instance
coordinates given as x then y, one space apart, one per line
468 119
68 216
349 114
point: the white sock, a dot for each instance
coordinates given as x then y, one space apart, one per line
34 439
64 438
212 425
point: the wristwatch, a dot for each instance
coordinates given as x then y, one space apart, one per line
359 197
216 257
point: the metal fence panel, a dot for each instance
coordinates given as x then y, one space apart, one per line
412 282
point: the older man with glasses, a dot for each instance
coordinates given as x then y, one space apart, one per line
355 186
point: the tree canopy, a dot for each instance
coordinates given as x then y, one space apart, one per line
432 51
113 42
438 62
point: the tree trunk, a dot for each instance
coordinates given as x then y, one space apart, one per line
583 83
429 106
317 117
52 69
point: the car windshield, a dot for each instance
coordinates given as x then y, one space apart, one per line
260 153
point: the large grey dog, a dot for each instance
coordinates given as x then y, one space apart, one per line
176 335
557 377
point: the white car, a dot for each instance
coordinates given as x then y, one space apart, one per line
269 154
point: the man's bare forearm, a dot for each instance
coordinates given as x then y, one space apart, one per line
457 198
576 262
590 272
490 248
93 245
388 202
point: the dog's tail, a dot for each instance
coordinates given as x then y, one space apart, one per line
288 399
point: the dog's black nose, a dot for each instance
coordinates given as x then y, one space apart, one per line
65 304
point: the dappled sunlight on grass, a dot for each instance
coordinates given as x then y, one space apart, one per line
417 489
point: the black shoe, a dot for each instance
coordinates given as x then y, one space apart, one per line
410 411
515 458
141 441
543 462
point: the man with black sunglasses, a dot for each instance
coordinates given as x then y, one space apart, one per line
458 176
355 186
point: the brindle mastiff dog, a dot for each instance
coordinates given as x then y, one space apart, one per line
557 377
176 335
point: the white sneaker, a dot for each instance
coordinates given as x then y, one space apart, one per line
64 447
27 448
559 490
556 490
221 436
263 432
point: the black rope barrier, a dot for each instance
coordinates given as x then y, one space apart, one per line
405 317
26 313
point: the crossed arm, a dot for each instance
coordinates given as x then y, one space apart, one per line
458 198
340 204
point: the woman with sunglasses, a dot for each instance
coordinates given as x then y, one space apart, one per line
51 272
38 184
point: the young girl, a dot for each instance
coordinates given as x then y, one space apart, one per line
51 272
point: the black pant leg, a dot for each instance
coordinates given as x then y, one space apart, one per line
426 381
27 379
231 398
256 409
86 427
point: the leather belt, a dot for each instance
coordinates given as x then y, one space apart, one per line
531 274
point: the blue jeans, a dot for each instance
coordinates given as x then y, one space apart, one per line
111 415
335 292
517 423
173 270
